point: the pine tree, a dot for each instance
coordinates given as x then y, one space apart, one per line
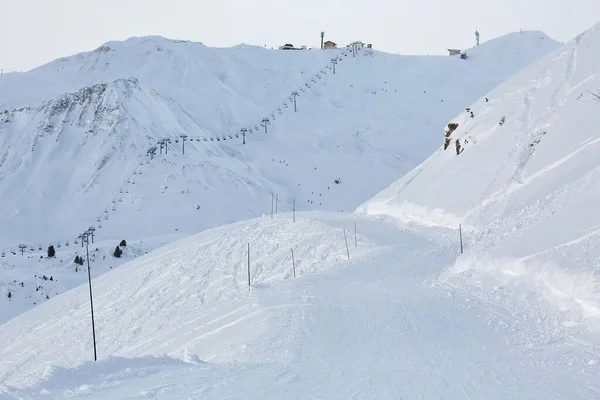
9 295
51 252
123 243
118 252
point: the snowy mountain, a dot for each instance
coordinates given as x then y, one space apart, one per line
344 305
525 184
90 119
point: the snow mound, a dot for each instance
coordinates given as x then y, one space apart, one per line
525 185
165 302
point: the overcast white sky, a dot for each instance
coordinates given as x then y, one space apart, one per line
33 32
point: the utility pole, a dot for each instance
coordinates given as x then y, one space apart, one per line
22 247
152 152
243 131
90 232
83 238
295 93
166 141
334 62
183 137
87 250
161 143
265 121
322 38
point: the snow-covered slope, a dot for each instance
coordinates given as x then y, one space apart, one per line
375 328
373 120
525 185
66 162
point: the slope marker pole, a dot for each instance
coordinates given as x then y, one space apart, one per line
461 241
248 266
293 263
346 240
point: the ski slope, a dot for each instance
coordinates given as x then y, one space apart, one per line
399 313
524 186
180 322
91 118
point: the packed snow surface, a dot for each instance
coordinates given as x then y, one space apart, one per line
525 186
181 322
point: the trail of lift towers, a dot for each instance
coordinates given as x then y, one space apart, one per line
163 144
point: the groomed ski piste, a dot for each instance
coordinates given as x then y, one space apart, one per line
181 322
394 312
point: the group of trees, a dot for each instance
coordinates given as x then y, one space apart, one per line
117 253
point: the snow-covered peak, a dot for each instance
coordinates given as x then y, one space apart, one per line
379 112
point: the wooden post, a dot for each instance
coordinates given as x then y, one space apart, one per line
346 240
293 263
460 233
